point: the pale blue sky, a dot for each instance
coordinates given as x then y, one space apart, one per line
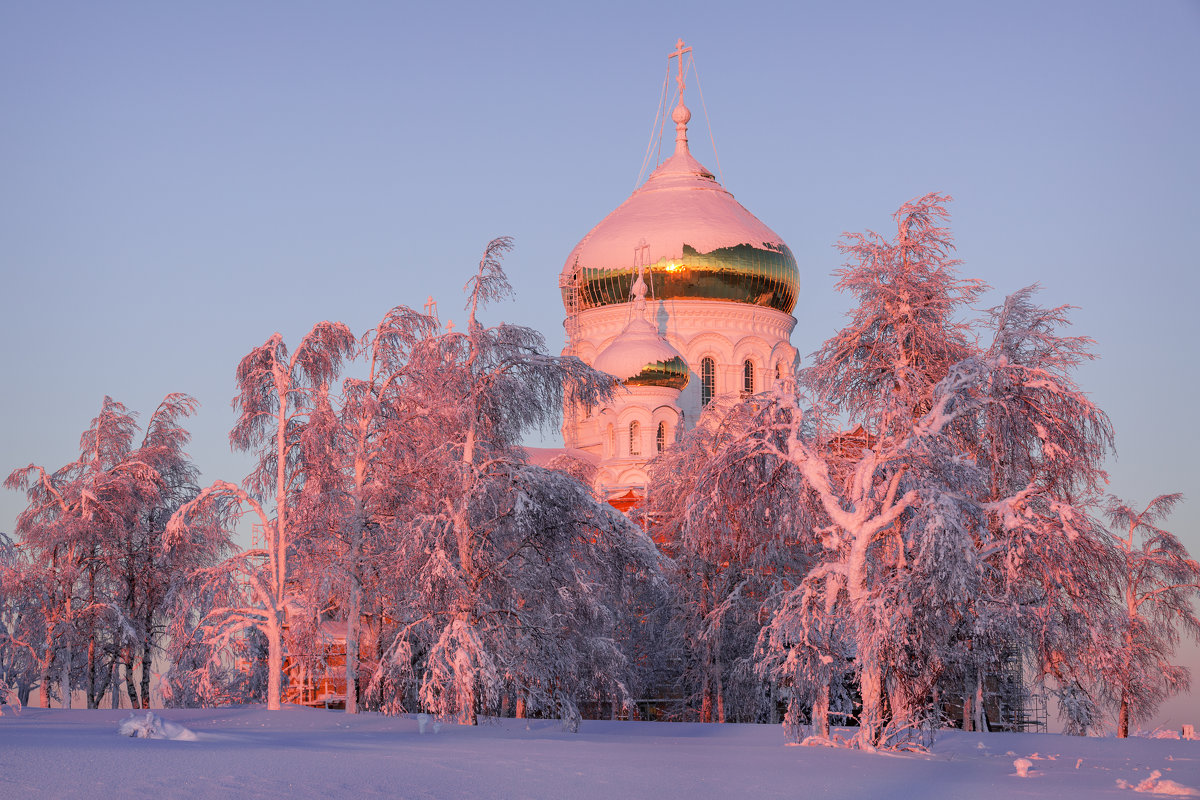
178 181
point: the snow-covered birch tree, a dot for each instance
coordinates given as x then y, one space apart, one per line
75 517
957 509
512 568
853 610
1042 444
92 539
373 421
1157 585
21 622
276 396
737 526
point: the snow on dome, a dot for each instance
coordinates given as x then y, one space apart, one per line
702 244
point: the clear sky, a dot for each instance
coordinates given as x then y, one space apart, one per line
178 181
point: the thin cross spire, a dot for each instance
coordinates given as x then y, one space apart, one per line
681 114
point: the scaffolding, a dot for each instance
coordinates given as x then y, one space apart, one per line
1010 702
570 293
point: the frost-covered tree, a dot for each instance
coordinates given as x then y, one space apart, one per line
957 526
75 519
1042 443
20 622
277 392
1157 584
863 607
513 572
904 370
737 526
92 535
372 428
904 333
148 576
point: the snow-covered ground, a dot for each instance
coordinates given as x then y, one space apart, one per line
301 753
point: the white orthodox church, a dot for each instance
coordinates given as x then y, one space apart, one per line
681 294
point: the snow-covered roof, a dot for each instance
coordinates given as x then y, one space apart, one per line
541 456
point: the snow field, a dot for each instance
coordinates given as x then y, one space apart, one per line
300 753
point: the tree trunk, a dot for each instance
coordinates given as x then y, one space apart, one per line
869 722
277 550
274 659
968 711
1123 718
92 699
820 713
115 683
64 677
520 712
147 657
793 730
980 712
130 686
352 623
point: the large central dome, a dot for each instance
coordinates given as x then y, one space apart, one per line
695 240
681 295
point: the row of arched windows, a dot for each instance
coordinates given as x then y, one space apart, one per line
635 438
708 378
708 390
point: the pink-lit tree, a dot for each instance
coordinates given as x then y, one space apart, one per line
853 610
736 524
277 394
958 529
1042 444
373 421
21 623
901 369
72 518
92 539
507 580
1157 584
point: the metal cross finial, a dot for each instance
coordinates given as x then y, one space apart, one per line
641 253
679 51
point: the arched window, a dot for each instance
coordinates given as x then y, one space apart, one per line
635 446
660 439
708 380
778 371
612 442
748 377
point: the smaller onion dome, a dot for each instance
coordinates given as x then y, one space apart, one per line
639 356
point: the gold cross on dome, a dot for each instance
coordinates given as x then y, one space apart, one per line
679 51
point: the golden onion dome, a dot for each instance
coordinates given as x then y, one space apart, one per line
640 356
695 240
